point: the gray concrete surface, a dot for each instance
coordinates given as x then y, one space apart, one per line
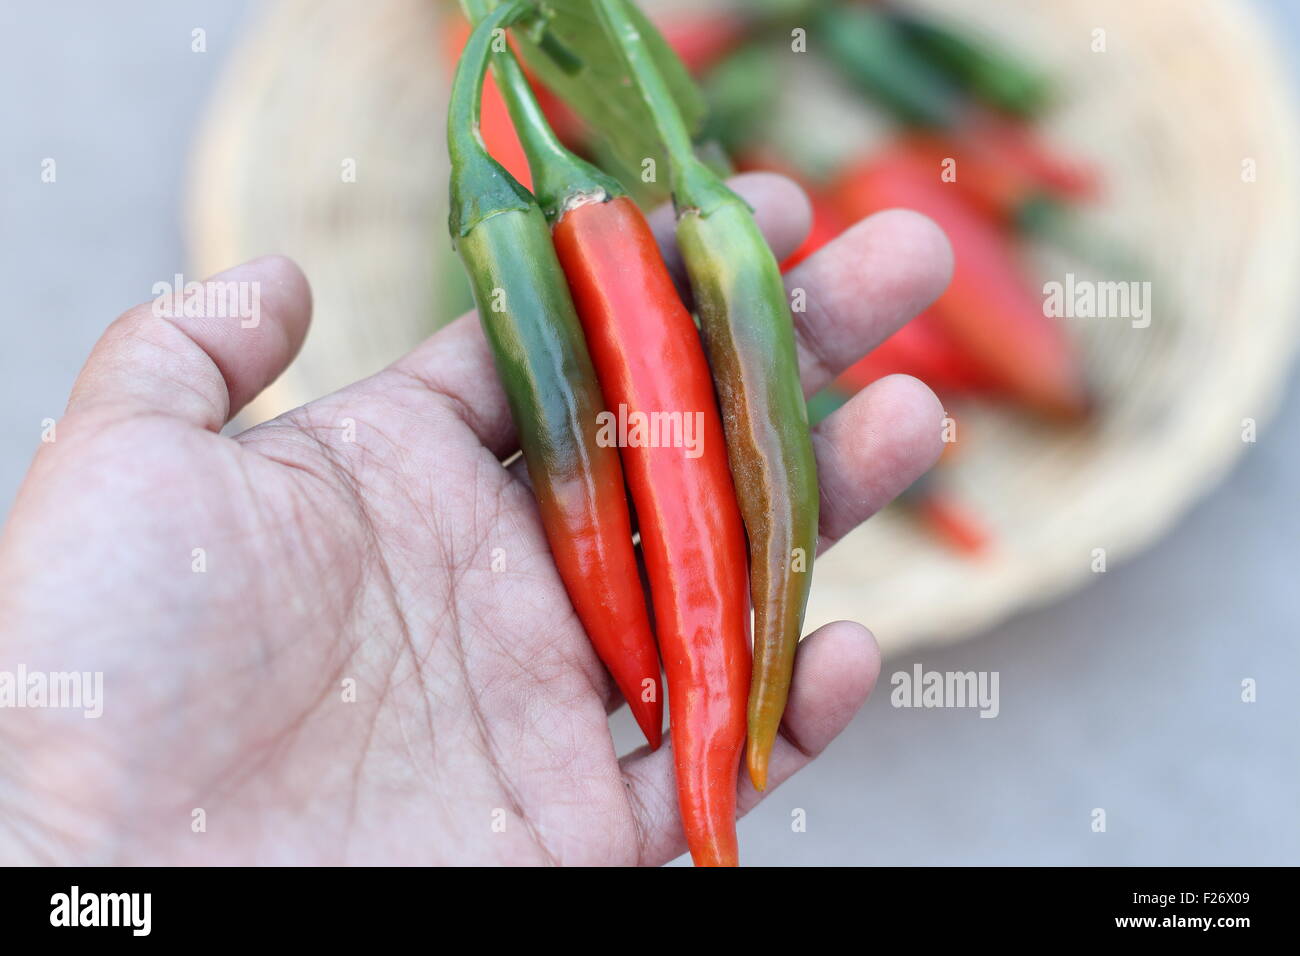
1124 697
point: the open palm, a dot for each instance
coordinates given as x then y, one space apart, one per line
339 636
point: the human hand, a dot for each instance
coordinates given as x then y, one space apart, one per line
348 680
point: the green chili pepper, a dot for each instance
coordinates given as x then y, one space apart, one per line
873 52
991 73
740 90
749 335
536 339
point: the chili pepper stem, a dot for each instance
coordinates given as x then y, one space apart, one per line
695 187
480 188
560 179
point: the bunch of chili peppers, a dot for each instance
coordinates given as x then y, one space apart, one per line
582 316
966 155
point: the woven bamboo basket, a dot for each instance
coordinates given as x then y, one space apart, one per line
1183 95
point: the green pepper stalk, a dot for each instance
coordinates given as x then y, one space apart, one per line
749 335
536 341
560 179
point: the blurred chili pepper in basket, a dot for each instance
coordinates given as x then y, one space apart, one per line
827 223
1012 142
946 517
988 309
1014 201
740 90
828 220
873 52
999 192
993 74
922 349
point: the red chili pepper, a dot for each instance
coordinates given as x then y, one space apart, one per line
1015 200
999 191
922 349
827 223
650 362
948 519
988 310
1015 144
748 329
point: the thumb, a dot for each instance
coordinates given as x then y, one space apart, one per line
202 352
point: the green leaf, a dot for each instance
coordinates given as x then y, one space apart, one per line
582 65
